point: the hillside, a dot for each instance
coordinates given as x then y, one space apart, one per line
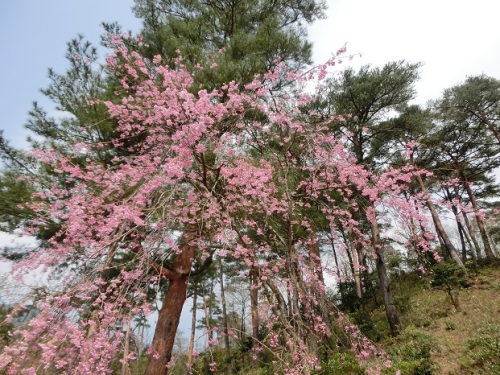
461 341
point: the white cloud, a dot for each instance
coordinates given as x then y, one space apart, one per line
453 39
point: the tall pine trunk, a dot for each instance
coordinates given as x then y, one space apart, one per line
254 304
460 228
356 257
469 234
480 221
171 309
439 226
317 269
126 349
192 335
353 258
225 330
383 278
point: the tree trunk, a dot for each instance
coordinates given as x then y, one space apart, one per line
254 304
461 233
320 290
473 246
353 257
443 250
469 234
192 336
337 267
414 240
207 309
225 330
126 350
383 278
294 283
460 228
140 348
170 312
480 221
356 256
439 226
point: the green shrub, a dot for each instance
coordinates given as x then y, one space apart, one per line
364 321
450 326
403 303
483 350
411 352
449 277
341 363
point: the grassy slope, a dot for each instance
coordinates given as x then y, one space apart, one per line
431 311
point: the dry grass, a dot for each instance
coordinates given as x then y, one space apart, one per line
432 312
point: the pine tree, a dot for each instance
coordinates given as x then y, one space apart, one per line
365 98
245 37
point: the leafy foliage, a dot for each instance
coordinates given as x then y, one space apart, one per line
450 278
341 363
483 350
254 35
411 352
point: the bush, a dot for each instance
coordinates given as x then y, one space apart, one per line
483 350
403 303
411 352
341 363
449 277
450 326
364 321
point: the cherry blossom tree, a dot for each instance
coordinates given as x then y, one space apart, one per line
241 174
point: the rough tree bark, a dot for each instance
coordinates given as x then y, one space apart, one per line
469 234
254 304
480 221
383 278
126 350
170 312
193 329
356 256
439 226
315 258
460 227
225 330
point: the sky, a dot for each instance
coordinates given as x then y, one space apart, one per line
453 38
33 38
